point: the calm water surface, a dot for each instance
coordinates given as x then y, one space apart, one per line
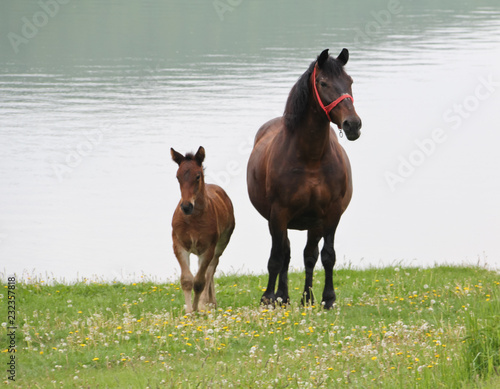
93 95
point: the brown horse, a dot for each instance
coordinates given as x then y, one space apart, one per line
202 225
298 175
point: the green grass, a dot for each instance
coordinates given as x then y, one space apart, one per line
390 328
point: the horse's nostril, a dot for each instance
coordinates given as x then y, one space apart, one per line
346 126
351 124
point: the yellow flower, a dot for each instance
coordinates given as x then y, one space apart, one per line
95 359
374 358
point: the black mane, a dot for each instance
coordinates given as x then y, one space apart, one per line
296 104
192 157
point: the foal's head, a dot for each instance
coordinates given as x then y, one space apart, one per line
190 177
333 83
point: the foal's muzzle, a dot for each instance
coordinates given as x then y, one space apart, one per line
352 127
187 208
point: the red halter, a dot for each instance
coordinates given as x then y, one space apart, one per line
334 103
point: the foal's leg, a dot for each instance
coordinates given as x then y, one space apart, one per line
311 254
186 276
209 292
200 279
328 260
208 295
279 252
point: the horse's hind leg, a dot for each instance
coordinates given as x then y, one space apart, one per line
311 254
200 280
208 295
328 260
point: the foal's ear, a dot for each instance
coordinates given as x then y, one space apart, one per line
343 57
200 155
177 157
322 58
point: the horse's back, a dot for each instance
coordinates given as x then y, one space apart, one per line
223 207
268 129
257 165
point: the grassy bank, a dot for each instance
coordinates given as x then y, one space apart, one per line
390 328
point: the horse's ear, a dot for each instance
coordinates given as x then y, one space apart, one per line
200 155
177 157
322 58
343 57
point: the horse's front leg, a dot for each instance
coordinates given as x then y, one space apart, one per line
282 292
311 254
280 254
182 256
328 260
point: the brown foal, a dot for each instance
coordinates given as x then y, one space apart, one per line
202 225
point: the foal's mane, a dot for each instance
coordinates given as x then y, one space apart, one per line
296 104
192 157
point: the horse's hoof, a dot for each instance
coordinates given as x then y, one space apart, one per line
282 300
267 300
328 304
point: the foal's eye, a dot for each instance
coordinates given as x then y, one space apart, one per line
198 177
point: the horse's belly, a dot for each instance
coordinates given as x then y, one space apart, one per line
305 222
313 206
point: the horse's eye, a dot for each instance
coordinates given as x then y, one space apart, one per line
198 177
323 84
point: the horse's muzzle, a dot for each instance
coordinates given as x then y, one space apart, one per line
187 208
352 127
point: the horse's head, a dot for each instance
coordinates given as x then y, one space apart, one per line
190 177
332 88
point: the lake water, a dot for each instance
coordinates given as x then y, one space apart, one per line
93 94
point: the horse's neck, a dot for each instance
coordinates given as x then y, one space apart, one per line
313 136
